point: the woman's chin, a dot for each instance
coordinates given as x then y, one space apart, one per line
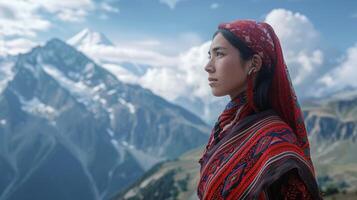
217 93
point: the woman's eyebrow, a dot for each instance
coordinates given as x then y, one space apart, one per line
216 49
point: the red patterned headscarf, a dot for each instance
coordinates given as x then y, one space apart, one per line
261 38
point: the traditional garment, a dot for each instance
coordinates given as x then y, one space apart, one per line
255 154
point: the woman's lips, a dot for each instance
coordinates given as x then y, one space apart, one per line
212 81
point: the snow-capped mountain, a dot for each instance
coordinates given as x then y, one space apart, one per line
69 127
89 41
90 38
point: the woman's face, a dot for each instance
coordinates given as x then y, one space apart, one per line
227 72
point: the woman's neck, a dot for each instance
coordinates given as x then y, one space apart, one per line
238 100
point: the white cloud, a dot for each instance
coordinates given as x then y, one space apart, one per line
186 83
20 18
170 46
121 73
303 63
15 46
166 82
170 3
295 30
214 6
344 74
299 40
67 10
26 18
106 7
186 77
72 15
127 54
58 6
192 64
147 43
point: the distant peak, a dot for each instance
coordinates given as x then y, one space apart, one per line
55 41
88 37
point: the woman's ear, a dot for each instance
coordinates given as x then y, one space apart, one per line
256 62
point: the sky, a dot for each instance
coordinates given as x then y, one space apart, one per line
319 37
192 21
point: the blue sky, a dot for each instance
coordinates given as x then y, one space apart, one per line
318 37
145 19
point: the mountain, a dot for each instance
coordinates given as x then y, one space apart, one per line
89 41
70 130
332 127
87 37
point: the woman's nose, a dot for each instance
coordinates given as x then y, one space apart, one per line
209 67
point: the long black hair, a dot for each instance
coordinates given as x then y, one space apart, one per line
264 76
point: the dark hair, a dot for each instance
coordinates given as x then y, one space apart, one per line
265 74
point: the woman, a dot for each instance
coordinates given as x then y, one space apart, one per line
258 148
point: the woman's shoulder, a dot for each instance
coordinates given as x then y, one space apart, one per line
271 120
271 124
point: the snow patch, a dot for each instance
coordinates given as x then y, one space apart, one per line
36 107
126 144
120 149
3 121
111 92
99 87
110 132
130 106
83 93
89 70
6 74
103 101
74 75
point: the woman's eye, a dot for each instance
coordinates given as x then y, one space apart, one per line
219 54
216 54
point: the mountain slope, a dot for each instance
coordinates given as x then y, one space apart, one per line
176 179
